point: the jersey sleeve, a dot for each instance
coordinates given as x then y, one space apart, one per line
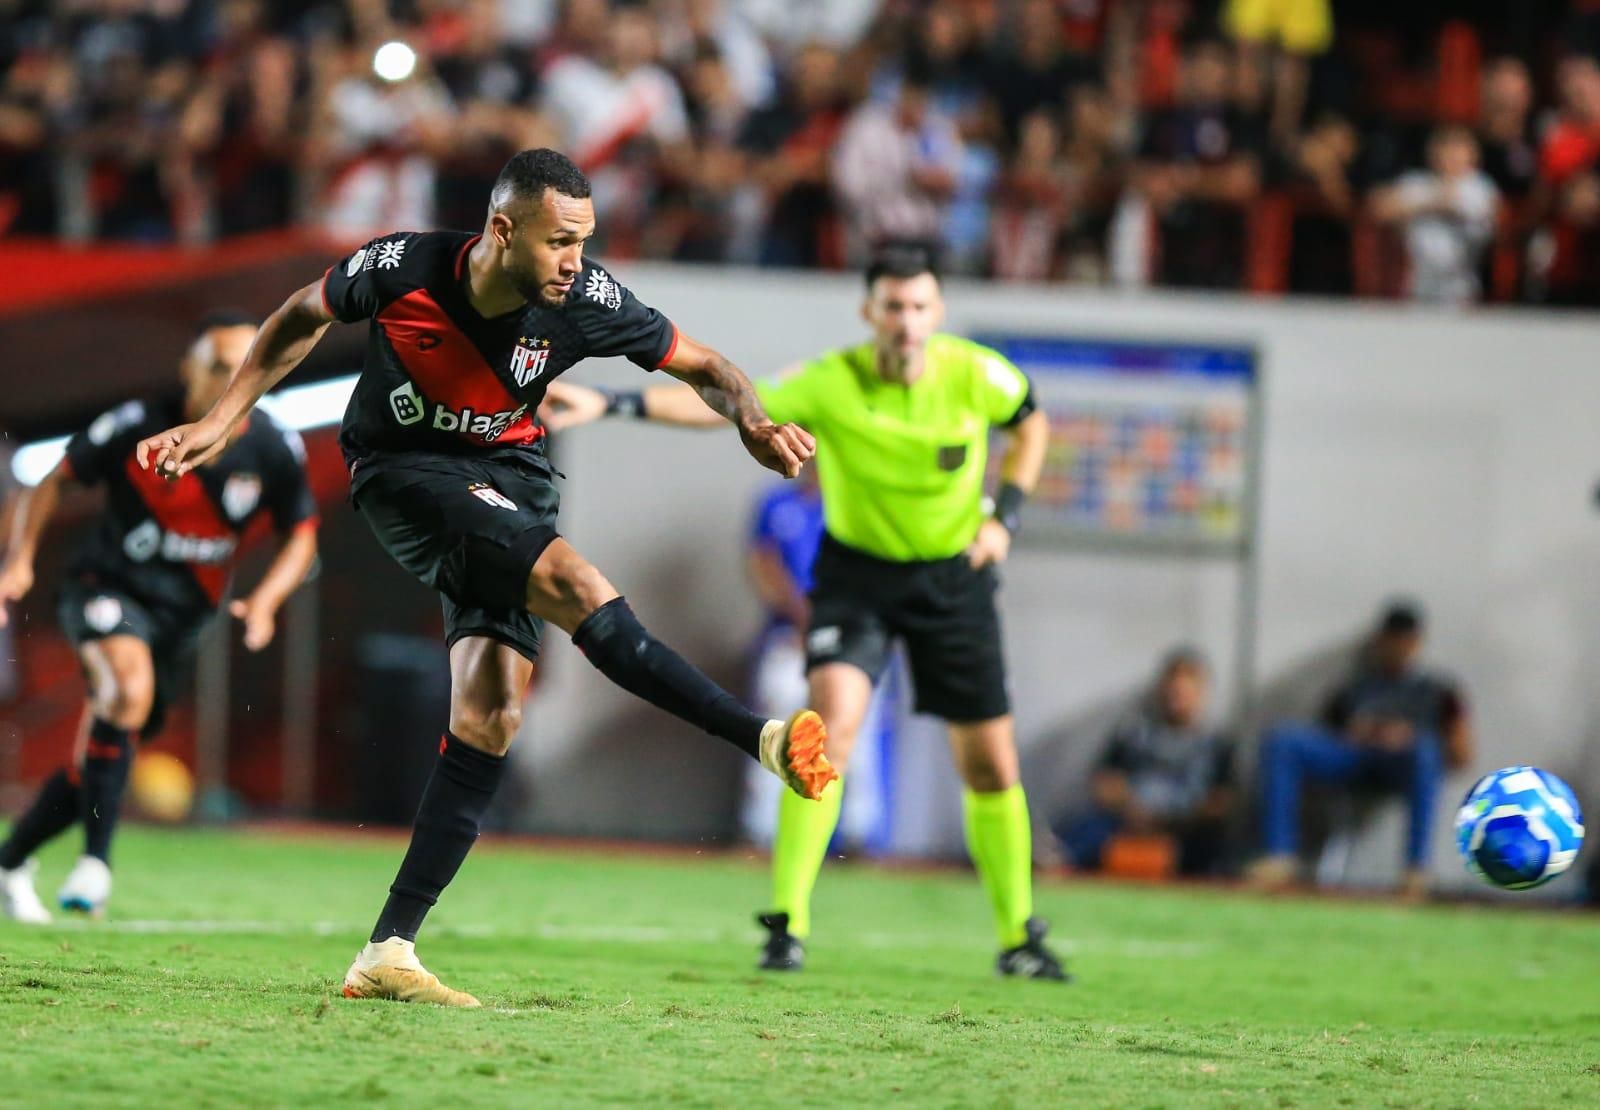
791 398
615 323
357 286
1005 395
103 446
287 497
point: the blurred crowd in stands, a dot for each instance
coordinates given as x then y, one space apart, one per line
1445 151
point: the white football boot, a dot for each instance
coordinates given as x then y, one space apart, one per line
87 888
18 900
391 970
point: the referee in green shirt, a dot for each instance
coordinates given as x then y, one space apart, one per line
902 427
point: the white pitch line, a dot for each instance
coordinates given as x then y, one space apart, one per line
1131 947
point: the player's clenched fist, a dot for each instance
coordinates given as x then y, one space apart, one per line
781 447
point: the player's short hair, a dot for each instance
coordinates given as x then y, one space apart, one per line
1184 657
1401 617
225 318
902 260
530 172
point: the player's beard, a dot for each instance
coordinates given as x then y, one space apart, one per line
536 292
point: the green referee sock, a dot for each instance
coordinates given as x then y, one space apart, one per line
804 829
1000 841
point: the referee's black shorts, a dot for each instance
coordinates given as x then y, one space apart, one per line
944 611
471 529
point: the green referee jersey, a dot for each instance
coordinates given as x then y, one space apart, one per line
901 466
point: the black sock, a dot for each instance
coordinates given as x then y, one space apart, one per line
105 777
453 804
616 643
53 811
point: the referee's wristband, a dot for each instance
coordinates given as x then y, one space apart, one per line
625 403
1008 502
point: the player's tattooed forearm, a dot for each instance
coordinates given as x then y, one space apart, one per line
727 392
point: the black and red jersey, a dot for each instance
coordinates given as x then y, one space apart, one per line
439 377
172 543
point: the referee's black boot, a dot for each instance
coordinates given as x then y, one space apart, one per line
1031 959
783 950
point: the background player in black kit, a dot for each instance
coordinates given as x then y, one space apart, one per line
141 586
447 464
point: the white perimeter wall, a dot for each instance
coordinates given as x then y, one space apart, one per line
1450 457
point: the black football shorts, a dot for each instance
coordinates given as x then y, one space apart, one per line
471 529
87 609
944 612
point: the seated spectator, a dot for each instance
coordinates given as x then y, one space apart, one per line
1393 727
237 131
1510 148
1323 185
1448 215
1037 67
377 144
787 145
1199 168
492 85
896 167
621 117
1300 29
1164 772
1568 190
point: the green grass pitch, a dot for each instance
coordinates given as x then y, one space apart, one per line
611 980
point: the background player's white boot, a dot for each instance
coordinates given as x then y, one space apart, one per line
87 888
390 969
18 900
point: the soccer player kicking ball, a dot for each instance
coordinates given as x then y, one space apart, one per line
447 464
902 426
138 592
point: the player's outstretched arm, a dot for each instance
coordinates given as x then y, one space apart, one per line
572 406
259 611
285 339
724 389
30 512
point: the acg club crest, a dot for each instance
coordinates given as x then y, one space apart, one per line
241 493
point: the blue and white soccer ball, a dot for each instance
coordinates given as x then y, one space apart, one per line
1519 827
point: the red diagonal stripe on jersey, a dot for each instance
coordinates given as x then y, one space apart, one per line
451 371
184 507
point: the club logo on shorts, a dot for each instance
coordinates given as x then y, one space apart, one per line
405 403
491 496
353 267
528 359
824 641
241 493
102 613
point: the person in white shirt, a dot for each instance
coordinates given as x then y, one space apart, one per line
617 116
1447 213
896 167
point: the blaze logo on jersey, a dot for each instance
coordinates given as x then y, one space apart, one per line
528 359
491 496
490 425
409 408
600 287
241 493
405 404
353 267
142 544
